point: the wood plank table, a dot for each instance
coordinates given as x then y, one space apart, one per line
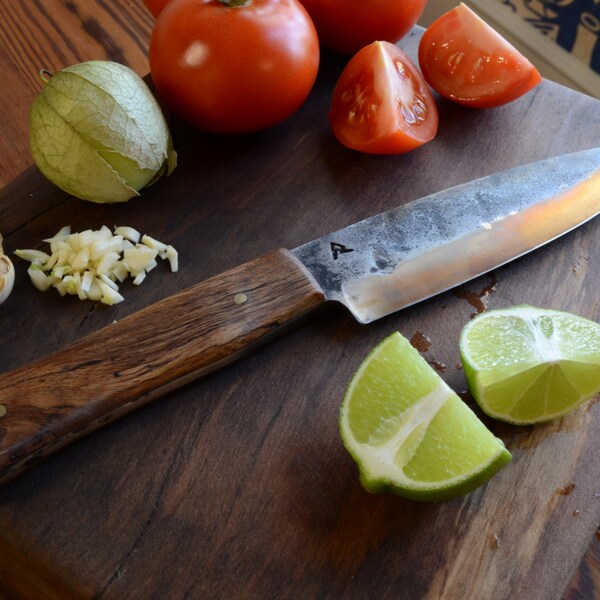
237 486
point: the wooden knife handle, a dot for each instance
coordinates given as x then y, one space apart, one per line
52 401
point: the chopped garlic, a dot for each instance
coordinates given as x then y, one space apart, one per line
61 235
106 263
109 294
173 258
158 246
138 259
81 260
91 264
129 233
41 281
139 278
33 256
119 270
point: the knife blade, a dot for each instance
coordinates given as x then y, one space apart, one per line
405 255
373 268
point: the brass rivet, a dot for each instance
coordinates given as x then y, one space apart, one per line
240 298
3 410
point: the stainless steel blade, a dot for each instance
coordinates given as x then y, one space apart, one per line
405 255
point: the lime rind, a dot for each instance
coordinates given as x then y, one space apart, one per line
409 433
551 368
435 492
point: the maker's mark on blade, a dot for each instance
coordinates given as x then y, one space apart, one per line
337 249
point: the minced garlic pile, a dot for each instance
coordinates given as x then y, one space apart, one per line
92 263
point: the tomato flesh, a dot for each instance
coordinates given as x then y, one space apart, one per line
233 69
381 104
467 61
346 26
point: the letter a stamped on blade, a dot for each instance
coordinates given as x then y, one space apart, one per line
337 249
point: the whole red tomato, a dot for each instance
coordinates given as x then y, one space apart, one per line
346 26
232 67
155 6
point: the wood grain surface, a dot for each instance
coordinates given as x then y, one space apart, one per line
237 486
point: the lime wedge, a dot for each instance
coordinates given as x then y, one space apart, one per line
526 365
409 433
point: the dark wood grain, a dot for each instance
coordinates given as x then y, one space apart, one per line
237 486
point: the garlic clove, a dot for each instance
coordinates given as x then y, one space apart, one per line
7 276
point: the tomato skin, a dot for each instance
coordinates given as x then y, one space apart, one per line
467 61
155 6
381 103
346 26
228 69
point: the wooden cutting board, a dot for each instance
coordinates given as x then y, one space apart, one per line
238 486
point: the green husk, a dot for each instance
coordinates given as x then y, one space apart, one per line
98 133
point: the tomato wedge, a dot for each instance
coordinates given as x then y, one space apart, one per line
466 60
381 103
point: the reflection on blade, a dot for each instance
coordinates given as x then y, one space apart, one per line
400 257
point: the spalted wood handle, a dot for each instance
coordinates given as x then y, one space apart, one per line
52 401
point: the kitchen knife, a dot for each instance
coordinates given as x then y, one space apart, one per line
373 268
